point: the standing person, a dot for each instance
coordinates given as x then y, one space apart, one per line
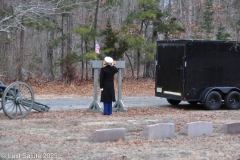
107 85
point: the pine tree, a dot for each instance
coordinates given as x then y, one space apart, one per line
207 24
113 45
221 34
87 34
148 15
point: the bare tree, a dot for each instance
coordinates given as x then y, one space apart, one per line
23 14
27 30
48 56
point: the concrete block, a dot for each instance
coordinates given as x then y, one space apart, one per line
157 131
106 135
231 128
196 129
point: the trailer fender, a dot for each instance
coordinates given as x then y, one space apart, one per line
224 90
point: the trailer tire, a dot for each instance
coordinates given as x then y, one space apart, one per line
173 101
232 100
213 101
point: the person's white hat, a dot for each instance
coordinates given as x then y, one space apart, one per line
108 59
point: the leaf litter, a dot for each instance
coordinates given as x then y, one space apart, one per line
65 134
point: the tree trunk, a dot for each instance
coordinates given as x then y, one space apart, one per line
138 54
69 34
19 59
138 65
130 64
86 50
190 16
96 20
63 44
148 69
48 58
82 59
86 70
169 6
154 40
95 27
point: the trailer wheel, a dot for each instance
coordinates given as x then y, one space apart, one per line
232 100
213 101
173 101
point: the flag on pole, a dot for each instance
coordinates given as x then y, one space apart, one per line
97 48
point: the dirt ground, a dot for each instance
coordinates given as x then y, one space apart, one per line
65 134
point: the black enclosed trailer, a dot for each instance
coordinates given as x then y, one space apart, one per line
199 71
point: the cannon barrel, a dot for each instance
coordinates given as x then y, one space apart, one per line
18 100
36 105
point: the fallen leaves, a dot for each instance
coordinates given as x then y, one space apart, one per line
53 89
66 132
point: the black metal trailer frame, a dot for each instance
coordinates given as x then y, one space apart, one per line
17 100
199 71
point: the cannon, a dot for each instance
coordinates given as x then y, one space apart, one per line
17 100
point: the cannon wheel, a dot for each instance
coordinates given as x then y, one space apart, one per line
1 93
17 100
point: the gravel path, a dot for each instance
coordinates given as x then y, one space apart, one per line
63 132
81 103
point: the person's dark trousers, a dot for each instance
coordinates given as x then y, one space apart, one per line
107 108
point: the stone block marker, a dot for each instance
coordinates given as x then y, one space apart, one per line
231 128
106 135
196 129
157 131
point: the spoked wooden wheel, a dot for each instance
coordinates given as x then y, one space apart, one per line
1 93
17 100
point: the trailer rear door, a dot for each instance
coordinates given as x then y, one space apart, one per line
170 70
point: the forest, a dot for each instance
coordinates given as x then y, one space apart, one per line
56 39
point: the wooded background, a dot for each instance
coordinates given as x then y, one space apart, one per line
55 39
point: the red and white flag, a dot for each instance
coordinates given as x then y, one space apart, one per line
97 48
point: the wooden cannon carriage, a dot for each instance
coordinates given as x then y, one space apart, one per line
17 100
